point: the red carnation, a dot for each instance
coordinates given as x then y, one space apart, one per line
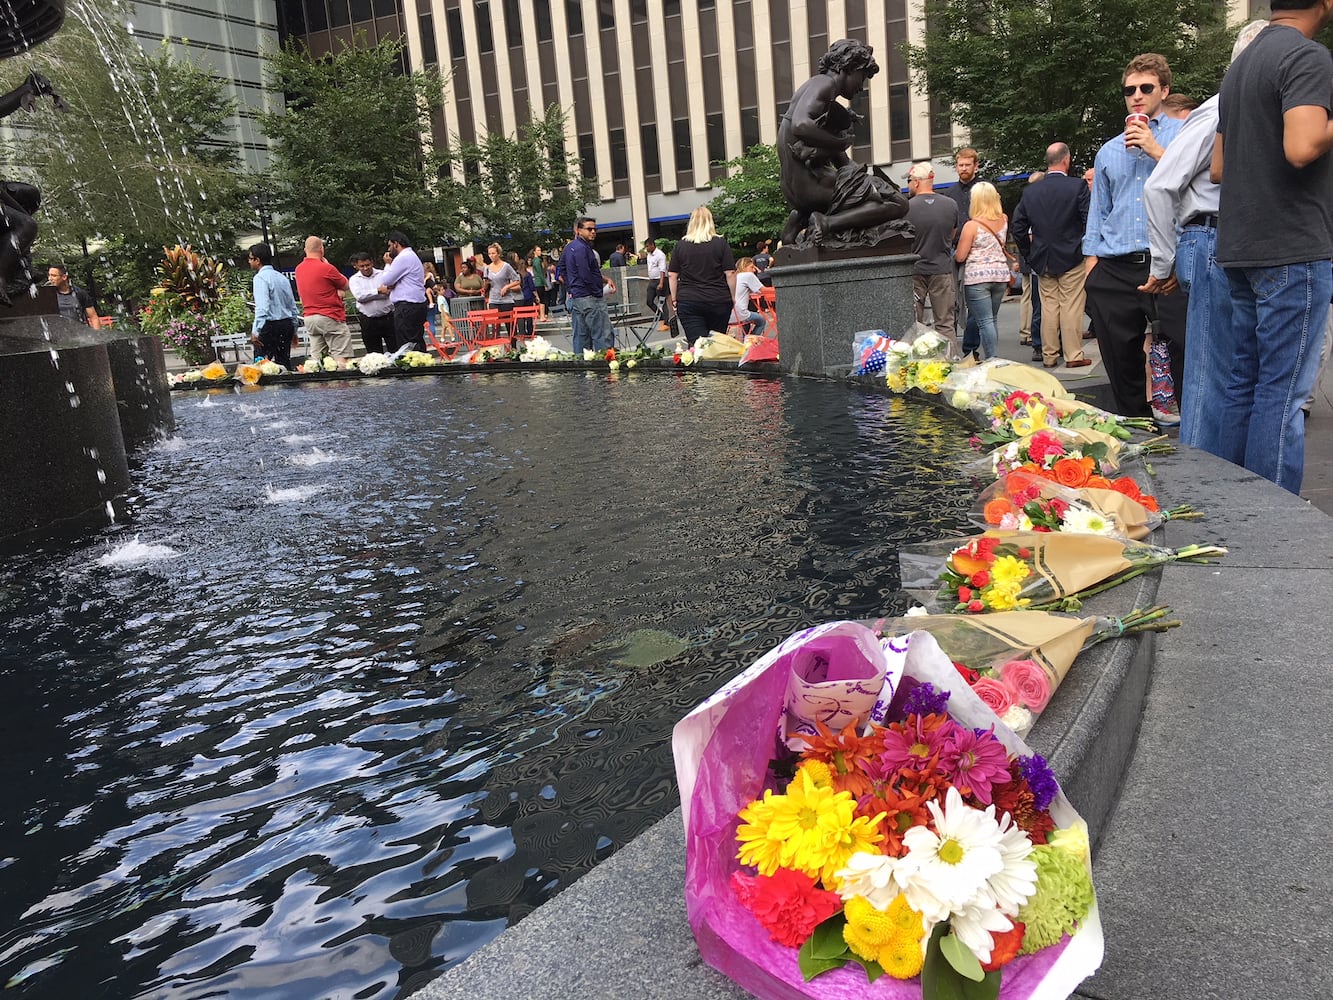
788 904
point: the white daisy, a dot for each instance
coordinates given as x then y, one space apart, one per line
1085 521
946 870
974 926
874 876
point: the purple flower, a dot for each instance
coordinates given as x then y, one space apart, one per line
1037 773
975 762
925 700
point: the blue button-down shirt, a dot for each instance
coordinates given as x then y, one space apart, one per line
1117 221
583 270
273 298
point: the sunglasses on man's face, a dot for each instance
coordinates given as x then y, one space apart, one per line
1143 88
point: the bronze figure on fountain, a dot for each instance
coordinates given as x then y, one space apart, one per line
837 204
19 201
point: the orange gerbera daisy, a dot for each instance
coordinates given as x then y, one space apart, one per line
903 803
843 753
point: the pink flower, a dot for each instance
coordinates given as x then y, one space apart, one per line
997 695
974 761
1043 445
1029 682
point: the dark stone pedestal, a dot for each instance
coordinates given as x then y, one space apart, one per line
73 401
60 440
821 305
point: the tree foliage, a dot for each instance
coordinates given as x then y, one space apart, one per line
519 190
143 157
348 163
751 206
1021 74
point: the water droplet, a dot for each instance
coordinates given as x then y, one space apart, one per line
110 512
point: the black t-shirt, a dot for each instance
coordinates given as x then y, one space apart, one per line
1272 213
962 197
701 270
75 304
935 218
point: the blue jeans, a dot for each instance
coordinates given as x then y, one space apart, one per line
591 324
983 304
1210 343
1279 315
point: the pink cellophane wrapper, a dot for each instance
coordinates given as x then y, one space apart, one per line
722 751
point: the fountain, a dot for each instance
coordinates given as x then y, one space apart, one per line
73 399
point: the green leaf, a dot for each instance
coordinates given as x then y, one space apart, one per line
941 981
961 958
827 941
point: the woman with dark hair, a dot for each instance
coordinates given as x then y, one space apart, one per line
702 276
468 282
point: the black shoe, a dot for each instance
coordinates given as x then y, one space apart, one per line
1036 354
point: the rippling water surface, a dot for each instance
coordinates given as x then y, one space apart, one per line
376 669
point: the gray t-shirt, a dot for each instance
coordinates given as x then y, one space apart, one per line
1271 212
935 218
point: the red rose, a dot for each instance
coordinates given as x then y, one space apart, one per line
981 578
976 607
1024 553
964 594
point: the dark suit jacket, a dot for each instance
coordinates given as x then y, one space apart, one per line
1049 223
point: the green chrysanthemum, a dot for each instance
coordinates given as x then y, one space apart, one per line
1063 897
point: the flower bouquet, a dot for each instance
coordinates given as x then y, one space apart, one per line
1028 501
917 849
1012 570
1050 447
1017 414
970 387
1015 660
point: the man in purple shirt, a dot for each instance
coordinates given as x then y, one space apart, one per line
404 281
584 282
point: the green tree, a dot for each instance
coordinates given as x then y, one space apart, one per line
751 206
142 158
1019 75
519 190
348 162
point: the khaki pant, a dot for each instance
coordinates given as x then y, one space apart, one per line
1062 299
939 289
328 336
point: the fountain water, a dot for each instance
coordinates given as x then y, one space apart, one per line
73 400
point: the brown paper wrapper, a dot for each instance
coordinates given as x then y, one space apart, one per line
981 641
1068 562
1134 519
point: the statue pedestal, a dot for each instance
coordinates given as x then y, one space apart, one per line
822 304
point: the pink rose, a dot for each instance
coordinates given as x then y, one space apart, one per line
996 694
1029 682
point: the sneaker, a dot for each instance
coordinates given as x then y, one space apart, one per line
1163 418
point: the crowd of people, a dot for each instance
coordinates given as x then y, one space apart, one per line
1202 233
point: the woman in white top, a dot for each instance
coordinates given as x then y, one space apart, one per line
986 270
747 284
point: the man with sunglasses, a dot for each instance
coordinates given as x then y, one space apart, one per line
1115 244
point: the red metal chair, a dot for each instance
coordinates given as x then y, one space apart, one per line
525 321
448 343
484 330
767 299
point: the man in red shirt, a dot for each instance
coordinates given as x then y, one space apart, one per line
320 287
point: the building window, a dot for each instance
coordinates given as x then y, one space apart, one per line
361 10
587 155
428 53
680 138
900 121
513 25
619 159
541 15
652 163
482 11
749 127
671 8
717 138
638 11
606 15
574 17
707 4
457 46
